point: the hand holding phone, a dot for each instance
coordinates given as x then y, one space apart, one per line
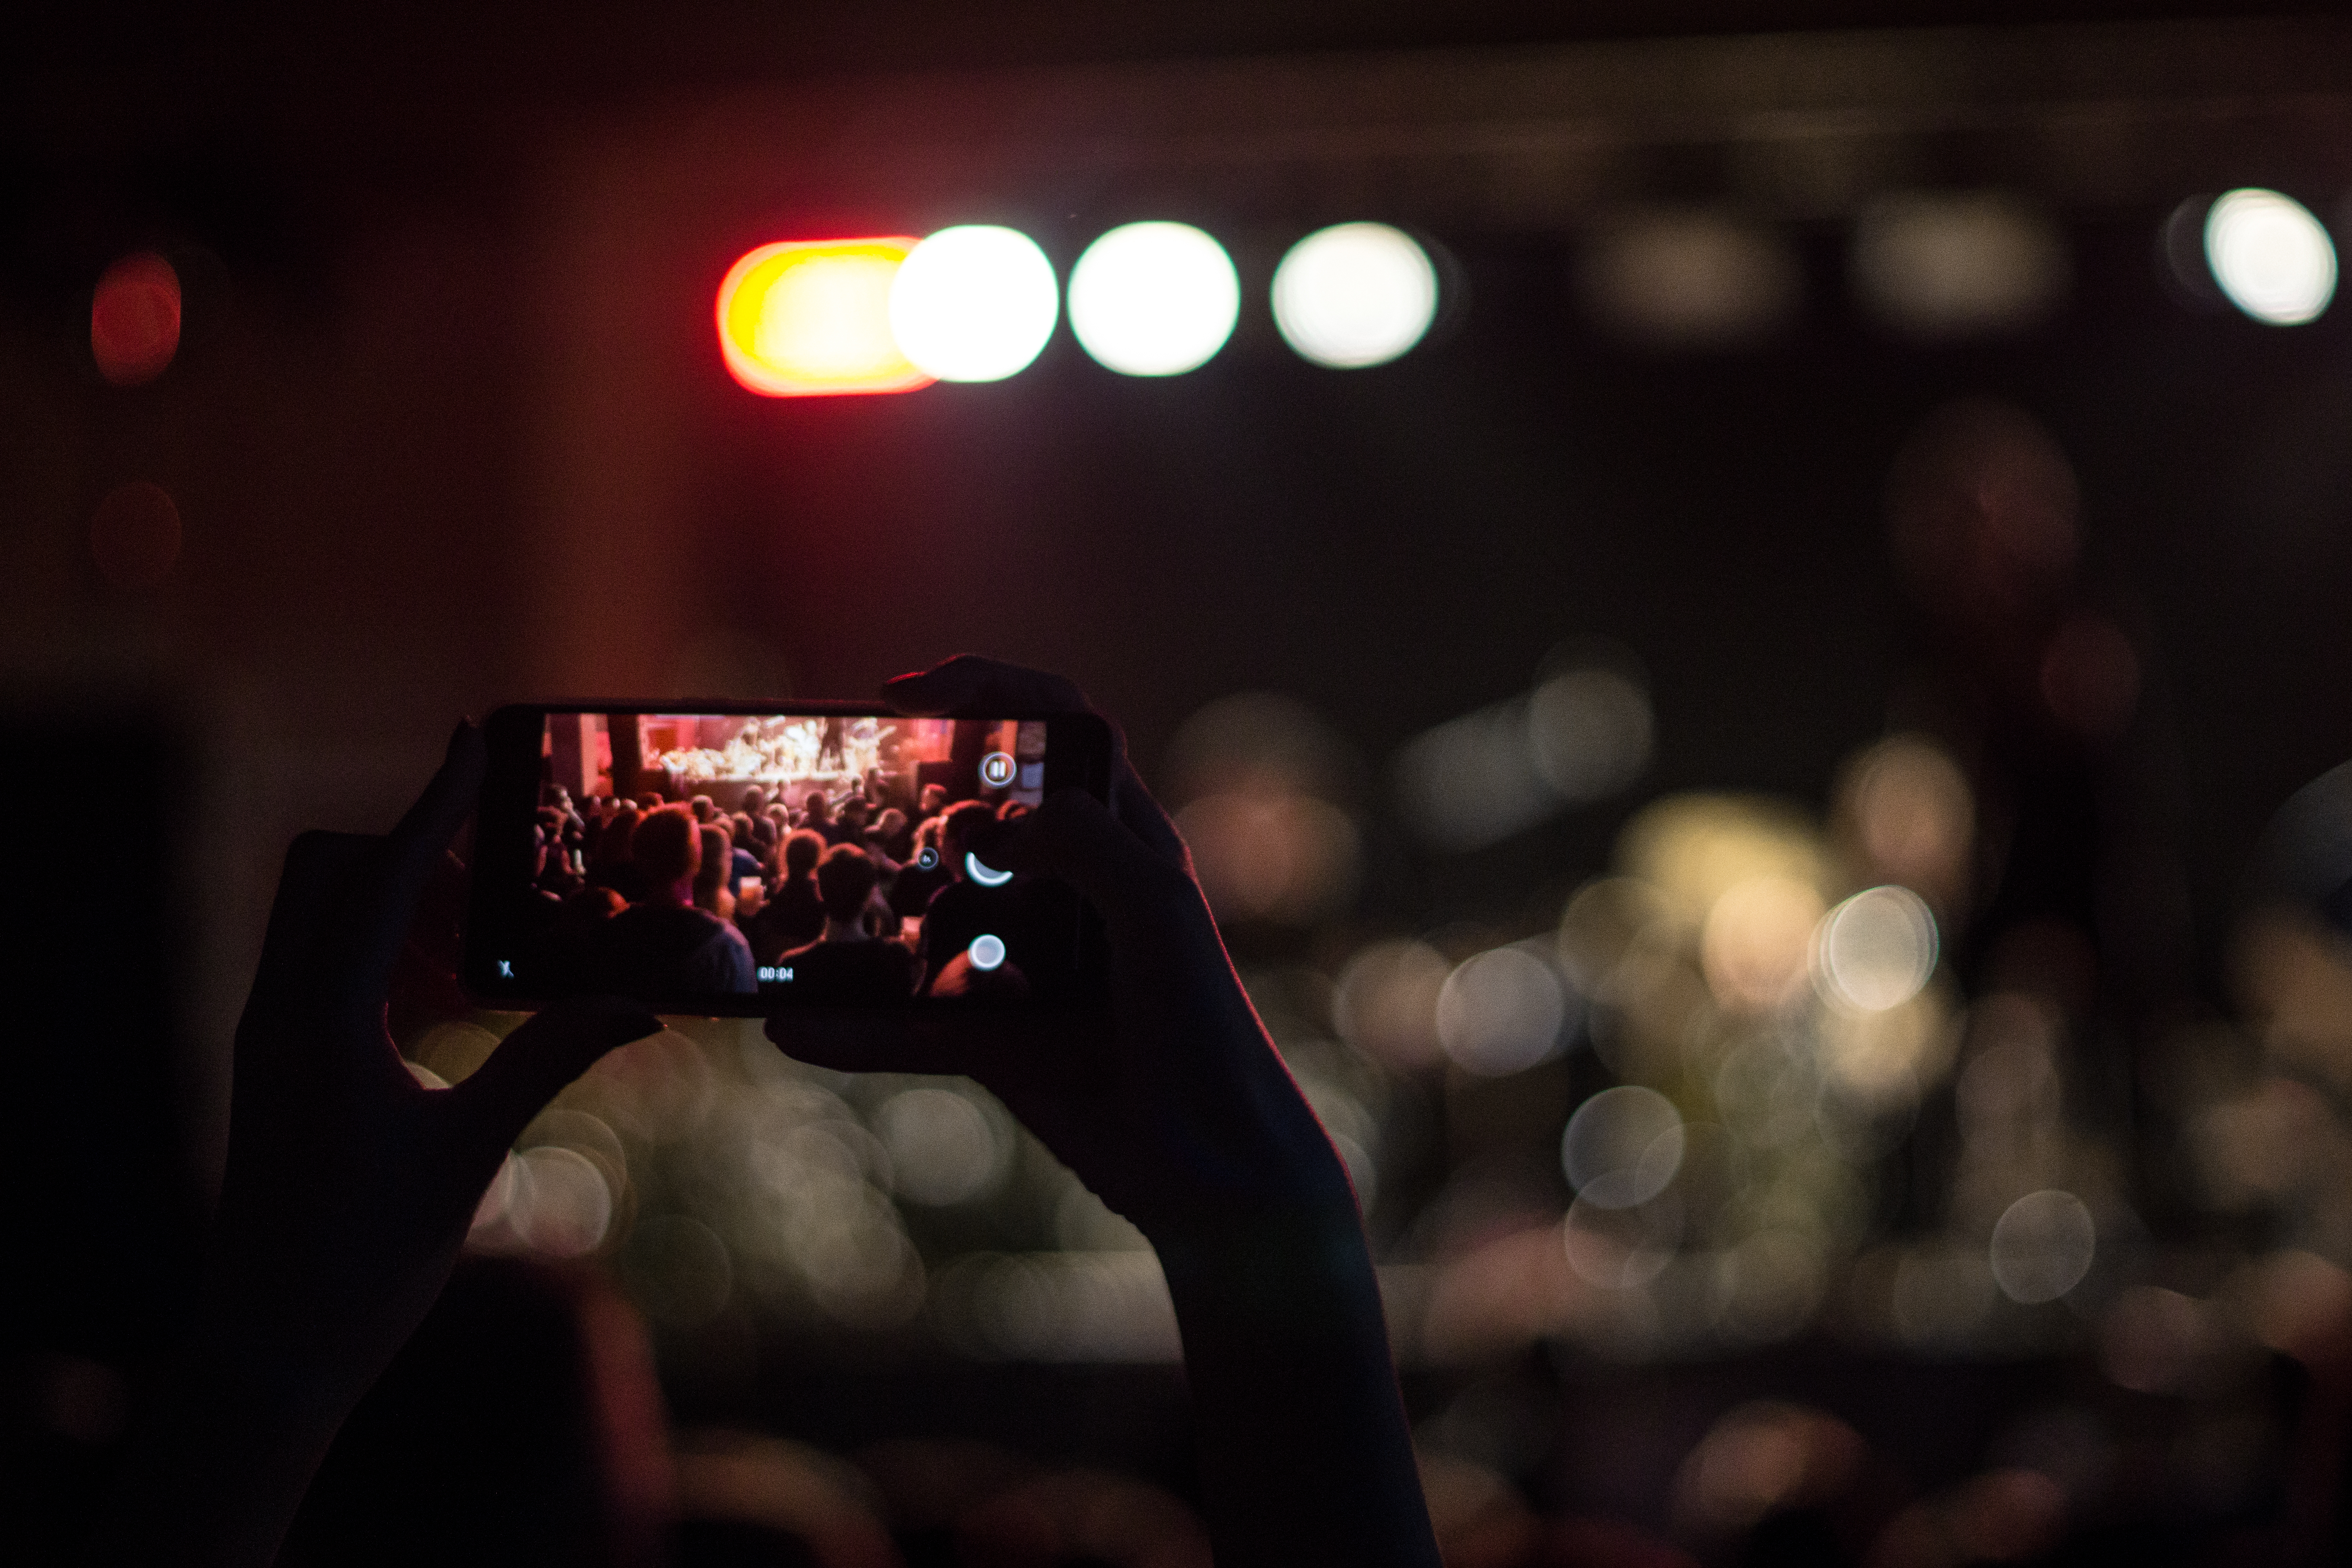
349 1188
1165 1094
1169 1100
741 858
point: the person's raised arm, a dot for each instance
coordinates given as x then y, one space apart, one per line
1175 1108
348 1189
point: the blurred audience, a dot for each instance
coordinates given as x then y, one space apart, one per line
848 963
757 869
664 944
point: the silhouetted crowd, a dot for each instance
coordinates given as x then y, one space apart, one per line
859 896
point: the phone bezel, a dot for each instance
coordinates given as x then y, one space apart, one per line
1078 753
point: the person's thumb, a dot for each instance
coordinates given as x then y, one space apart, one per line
1074 837
531 1065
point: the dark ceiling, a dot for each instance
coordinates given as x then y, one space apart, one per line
71 62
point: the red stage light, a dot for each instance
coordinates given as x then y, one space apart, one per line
813 319
134 319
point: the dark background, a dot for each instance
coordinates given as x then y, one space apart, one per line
446 427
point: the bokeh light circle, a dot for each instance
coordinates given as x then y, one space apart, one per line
2270 256
1354 294
943 1148
1500 1012
1877 950
1154 299
1385 1004
812 318
2043 1246
1623 1146
134 319
986 952
974 302
563 1209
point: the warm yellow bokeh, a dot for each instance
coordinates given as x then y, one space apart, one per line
813 319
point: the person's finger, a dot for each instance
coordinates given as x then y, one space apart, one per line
969 683
556 1045
997 1048
1074 837
300 964
910 1041
416 848
439 926
1145 817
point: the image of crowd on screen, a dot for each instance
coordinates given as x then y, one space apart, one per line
866 894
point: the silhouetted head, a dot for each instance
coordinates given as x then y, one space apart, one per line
667 847
845 880
613 845
957 827
801 852
710 888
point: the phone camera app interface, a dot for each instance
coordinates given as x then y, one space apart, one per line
822 857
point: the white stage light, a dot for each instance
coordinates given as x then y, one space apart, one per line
974 302
1355 294
2271 257
1945 264
1154 299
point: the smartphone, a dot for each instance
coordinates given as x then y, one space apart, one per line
615 842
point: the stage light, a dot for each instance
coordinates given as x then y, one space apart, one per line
944 1149
2271 257
973 303
134 319
1386 1002
1875 950
1623 1146
2043 1246
813 319
1500 1012
1355 294
1689 278
1154 299
1948 265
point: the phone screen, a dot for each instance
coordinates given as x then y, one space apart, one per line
714 859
